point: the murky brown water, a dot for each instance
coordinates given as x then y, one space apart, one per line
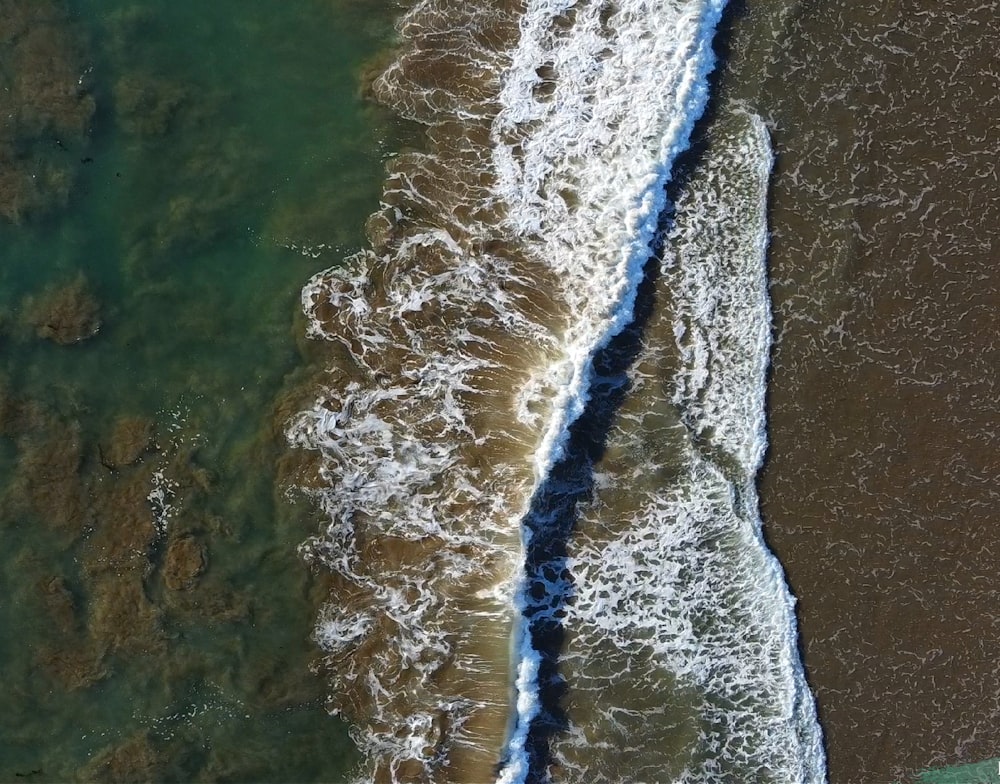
880 491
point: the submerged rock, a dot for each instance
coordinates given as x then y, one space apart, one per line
186 560
65 315
47 481
60 604
124 530
275 683
131 438
116 560
74 666
135 760
9 410
123 619
20 416
213 602
44 105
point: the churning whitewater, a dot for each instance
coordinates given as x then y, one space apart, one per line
681 652
505 254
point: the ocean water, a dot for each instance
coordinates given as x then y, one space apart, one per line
385 392
880 488
171 175
987 772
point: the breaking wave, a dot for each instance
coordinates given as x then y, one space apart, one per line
682 652
505 253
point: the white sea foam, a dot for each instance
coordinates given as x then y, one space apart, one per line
677 577
161 501
398 440
423 468
582 167
503 258
582 170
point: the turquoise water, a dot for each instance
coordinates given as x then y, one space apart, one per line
986 772
222 134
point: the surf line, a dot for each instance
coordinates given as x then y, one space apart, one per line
659 88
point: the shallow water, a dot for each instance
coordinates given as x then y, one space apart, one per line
157 615
986 772
680 658
880 490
